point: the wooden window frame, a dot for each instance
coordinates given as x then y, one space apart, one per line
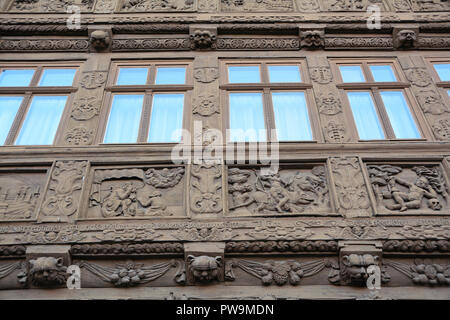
148 90
266 88
443 86
33 89
375 87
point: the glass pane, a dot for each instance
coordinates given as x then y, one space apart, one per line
400 115
352 74
57 77
167 118
8 110
16 78
291 116
365 116
443 71
246 117
284 74
383 73
129 76
124 119
42 120
248 74
170 76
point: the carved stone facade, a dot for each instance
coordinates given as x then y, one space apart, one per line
131 218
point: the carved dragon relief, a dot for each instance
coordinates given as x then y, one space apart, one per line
136 192
286 192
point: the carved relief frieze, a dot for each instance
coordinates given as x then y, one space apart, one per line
64 191
20 194
401 5
136 192
256 5
430 5
205 188
266 43
208 5
129 274
105 6
60 236
44 45
158 5
290 191
361 42
127 249
352 194
434 42
431 101
18 266
417 245
348 5
409 189
150 44
280 246
308 5
49 5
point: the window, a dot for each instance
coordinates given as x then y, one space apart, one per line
441 75
32 102
265 96
146 103
378 100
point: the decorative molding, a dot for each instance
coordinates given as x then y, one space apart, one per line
150 44
361 42
126 249
280 246
224 43
44 45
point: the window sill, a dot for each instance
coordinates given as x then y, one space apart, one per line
393 140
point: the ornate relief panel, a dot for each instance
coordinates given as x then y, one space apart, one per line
49 5
292 190
20 193
256 5
62 198
409 188
158 5
137 192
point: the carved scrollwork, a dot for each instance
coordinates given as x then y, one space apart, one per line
61 202
321 75
441 129
328 104
85 108
79 136
206 185
256 5
93 79
335 132
206 74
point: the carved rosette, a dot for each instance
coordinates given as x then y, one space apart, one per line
63 195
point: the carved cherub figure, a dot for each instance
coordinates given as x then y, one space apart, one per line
413 199
121 201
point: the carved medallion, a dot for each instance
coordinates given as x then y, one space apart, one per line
93 79
206 75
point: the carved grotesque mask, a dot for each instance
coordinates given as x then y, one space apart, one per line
204 268
356 266
406 38
203 38
312 39
100 39
47 271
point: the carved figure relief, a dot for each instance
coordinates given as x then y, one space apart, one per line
312 39
205 269
129 274
158 5
85 108
407 190
289 191
47 272
206 105
418 76
206 184
63 194
346 5
352 194
19 194
137 192
430 5
321 74
257 5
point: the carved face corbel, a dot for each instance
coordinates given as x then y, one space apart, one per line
100 40
312 39
405 38
204 269
203 38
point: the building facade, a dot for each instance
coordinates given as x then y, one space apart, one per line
118 169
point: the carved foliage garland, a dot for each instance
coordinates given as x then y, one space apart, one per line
63 194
